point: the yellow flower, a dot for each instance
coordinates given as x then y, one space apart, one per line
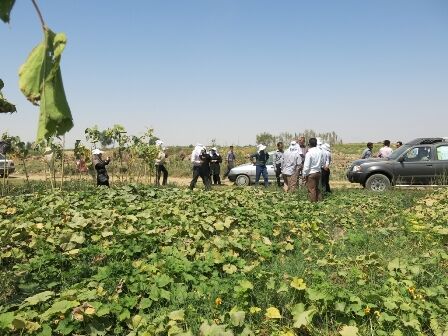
377 313
367 310
411 290
218 301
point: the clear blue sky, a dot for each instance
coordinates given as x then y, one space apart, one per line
196 70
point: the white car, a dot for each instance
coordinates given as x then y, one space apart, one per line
6 166
244 175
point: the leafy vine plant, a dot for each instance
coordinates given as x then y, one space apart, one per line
40 78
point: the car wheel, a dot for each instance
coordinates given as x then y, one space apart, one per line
242 180
378 182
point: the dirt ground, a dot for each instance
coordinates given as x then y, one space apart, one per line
180 181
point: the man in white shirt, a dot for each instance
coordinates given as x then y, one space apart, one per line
312 170
385 151
291 162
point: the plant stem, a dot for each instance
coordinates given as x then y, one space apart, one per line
39 13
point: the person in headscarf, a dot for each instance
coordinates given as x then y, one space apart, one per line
201 166
325 174
278 157
102 178
160 164
259 159
215 165
291 163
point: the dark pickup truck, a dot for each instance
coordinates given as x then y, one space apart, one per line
423 161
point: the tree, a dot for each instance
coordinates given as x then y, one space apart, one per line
266 139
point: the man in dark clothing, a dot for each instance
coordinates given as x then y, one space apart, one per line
260 158
367 153
215 165
102 178
160 164
278 157
201 166
231 158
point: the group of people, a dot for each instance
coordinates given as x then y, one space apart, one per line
207 165
298 163
384 151
309 164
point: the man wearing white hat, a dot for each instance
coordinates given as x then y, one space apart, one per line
160 164
201 166
215 165
102 178
260 158
291 162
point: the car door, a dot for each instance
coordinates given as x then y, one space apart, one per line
270 166
415 166
441 165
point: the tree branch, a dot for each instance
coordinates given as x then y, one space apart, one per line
44 26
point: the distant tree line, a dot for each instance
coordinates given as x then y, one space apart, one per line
271 140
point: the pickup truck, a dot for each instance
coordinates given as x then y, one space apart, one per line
422 161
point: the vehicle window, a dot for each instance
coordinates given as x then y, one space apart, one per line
396 153
270 160
1 156
418 154
442 153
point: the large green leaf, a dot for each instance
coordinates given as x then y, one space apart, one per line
40 297
40 80
5 9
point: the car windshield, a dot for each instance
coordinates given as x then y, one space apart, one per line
396 153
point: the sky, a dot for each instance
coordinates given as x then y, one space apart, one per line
197 70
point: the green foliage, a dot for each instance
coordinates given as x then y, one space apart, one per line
5 9
137 260
5 106
40 81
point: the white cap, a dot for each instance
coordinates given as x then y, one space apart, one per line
326 147
48 150
214 149
97 151
261 147
293 143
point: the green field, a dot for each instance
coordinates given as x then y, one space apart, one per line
135 260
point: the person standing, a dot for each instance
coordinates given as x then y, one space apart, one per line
102 178
290 166
302 151
259 159
326 151
367 153
385 151
201 166
312 170
160 164
398 144
230 159
215 165
278 157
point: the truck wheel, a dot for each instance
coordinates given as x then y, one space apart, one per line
378 182
242 180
